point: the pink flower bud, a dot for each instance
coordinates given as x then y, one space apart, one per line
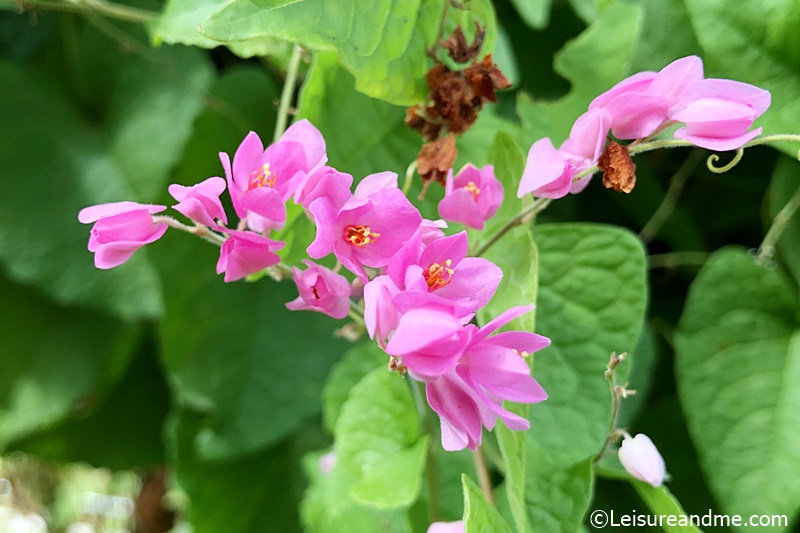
201 202
120 229
244 253
322 290
641 459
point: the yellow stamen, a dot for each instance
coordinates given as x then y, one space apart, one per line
473 190
360 235
262 177
437 276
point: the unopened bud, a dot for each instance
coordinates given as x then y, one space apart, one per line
641 459
447 527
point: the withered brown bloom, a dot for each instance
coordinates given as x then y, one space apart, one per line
619 171
457 47
436 158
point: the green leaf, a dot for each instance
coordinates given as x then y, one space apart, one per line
666 34
122 428
257 492
593 62
236 353
65 166
377 420
479 515
535 13
356 363
328 506
738 362
560 496
56 361
382 42
592 298
394 481
785 184
661 501
377 140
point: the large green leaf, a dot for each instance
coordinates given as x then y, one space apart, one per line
661 501
62 166
479 515
382 42
120 430
56 361
377 436
260 492
237 354
592 298
738 363
594 61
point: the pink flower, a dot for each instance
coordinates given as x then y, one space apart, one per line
260 181
322 290
327 462
431 230
366 231
639 105
380 315
442 267
244 253
720 117
430 335
120 229
324 182
490 370
447 527
472 197
549 172
201 202
641 459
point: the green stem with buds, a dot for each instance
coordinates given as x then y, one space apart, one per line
288 92
779 223
201 231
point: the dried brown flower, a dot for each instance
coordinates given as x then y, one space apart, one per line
457 47
618 168
436 158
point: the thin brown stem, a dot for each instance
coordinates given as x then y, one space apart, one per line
676 259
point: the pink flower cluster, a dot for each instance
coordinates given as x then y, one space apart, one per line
420 290
716 114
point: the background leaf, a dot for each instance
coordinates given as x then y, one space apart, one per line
479 514
738 359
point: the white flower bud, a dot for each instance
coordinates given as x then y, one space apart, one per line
641 459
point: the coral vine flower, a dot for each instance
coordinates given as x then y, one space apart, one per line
491 369
324 182
244 253
366 231
201 202
472 197
260 181
720 117
321 289
549 172
120 229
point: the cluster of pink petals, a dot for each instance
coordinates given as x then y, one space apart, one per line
120 228
717 114
472 197
421 291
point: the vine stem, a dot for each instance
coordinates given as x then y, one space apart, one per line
530 211
617 394
483 475
431 465
201 231
667 205
288 92
676 259
779 223
98 7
